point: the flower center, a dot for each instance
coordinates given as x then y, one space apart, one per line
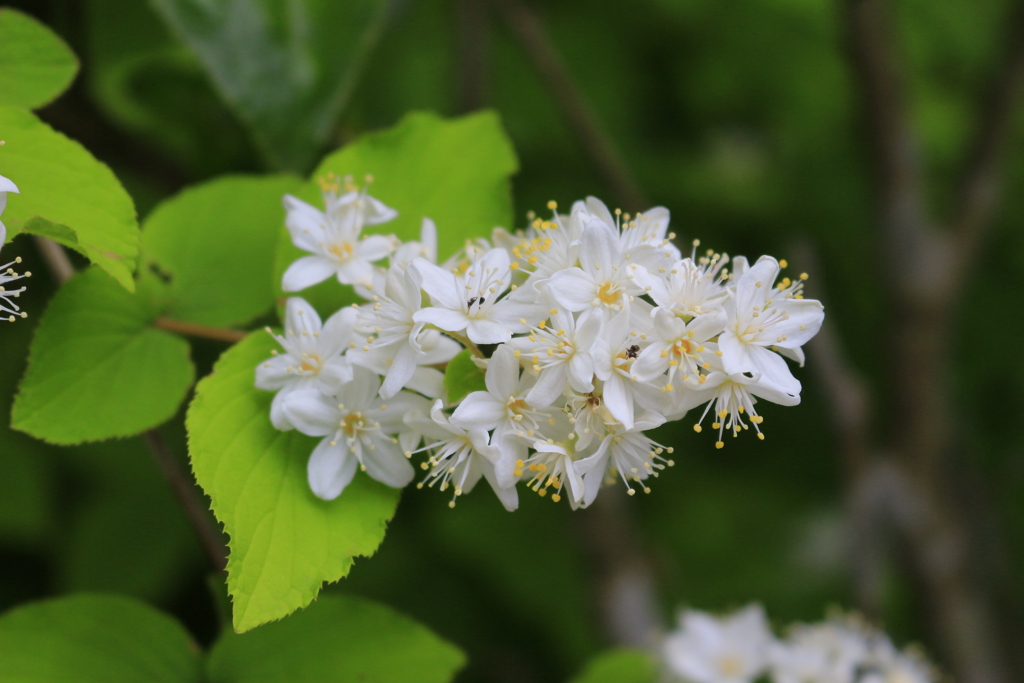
730 665
343 251
352 423
682 347
609 294
311 364
517 406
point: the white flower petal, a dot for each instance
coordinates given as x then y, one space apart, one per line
387 464
306 272
478 410
443 318
573 289
330 469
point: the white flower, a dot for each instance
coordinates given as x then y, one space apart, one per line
886 664
762 317
732 397
562 353
312 357
406 253
459 457
7 273
553 466
503 408
689 288
613 364
333 239
606 277
470 301
358 429
401 344
678 347
626 452
731 649
644 237
820 653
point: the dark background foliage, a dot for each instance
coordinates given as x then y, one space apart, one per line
746 120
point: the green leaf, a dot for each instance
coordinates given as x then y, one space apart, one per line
285 542
95 639
287 67
97 370
338 639
216 243
462 377
454 171
619 666
61 234
61 182
35 64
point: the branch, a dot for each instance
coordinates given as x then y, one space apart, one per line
891 138
56 259
623 577
981 178
534 39
472 22
192 330
181 482
188 497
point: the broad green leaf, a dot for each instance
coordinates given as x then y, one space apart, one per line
619 666
61 234
216 244
453 171
97 370
338 639
285 542
61 182
287 67
35 64
462 377
89 638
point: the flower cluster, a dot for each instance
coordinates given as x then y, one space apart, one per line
740 648
591 328
9 310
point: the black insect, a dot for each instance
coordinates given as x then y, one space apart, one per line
633 351
471 301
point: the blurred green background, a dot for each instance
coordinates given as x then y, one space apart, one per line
742 118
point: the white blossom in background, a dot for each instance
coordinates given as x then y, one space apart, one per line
9 310
729 649
333 237
740 648
590 329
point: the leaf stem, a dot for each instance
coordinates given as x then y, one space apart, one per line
220 334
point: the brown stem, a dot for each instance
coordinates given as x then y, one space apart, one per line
181 482
920 266
623 578
981 178
192 330
61 268
472 22
534 39
190 500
